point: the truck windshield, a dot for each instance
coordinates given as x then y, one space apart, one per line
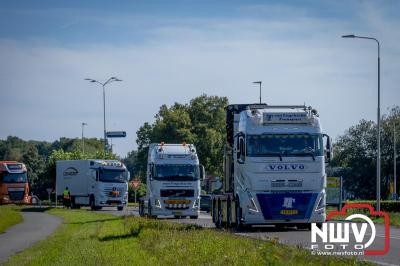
113 176
285 145
176 172
13 178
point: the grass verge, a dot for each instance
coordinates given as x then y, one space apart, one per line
9 216
87 238
394 217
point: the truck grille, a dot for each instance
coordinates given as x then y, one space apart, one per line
177 193
177 206
114 193
16 195
288 183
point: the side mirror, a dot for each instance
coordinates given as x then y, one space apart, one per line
328 149
151 170
240 149
129 176
202 173
216 184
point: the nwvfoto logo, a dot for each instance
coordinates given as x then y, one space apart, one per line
348 236
288 202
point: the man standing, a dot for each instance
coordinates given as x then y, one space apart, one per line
67 198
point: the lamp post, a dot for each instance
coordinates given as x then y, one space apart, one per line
112 79
395 160
258 82
83 138
378 163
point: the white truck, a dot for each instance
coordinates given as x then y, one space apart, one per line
95 183
274 167
173 181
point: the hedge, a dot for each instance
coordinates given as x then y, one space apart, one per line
386 205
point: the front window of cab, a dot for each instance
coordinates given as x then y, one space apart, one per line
113 176
285 145
176 172
13 178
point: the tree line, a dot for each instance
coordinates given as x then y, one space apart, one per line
202 122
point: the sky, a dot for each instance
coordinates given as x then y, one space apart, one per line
173 51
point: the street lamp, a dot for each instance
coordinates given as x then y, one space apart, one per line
112 79
378 164
394 159
83 139
258 82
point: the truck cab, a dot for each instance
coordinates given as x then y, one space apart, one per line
274 167
14 185
173 181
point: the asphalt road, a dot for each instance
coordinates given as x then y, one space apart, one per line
290 236
36 226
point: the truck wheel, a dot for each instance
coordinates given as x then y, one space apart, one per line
120 208
141 211
150 211
91 203
219 215
73 206
229 213
238 223
214 212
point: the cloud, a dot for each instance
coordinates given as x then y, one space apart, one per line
299 58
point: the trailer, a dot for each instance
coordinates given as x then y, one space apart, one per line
95 183
274 167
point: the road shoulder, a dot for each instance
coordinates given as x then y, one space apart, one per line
35 227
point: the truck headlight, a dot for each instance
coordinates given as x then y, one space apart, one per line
252 206
196 204
321 204
157 203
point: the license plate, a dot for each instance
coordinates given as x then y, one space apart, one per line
289 212
177 213
114 204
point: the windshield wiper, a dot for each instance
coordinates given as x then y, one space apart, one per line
273 154
304 154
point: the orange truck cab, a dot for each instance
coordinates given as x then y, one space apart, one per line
14 186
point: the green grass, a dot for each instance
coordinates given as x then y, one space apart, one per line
394 217
9 216
87 238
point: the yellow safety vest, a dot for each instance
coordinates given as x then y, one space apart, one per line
66 194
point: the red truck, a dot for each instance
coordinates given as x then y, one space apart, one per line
14 186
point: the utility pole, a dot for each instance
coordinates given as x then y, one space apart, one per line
112 79
394 159
258 82
83 137
378 159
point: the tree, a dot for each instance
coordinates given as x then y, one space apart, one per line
356 153
35 166
201 122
